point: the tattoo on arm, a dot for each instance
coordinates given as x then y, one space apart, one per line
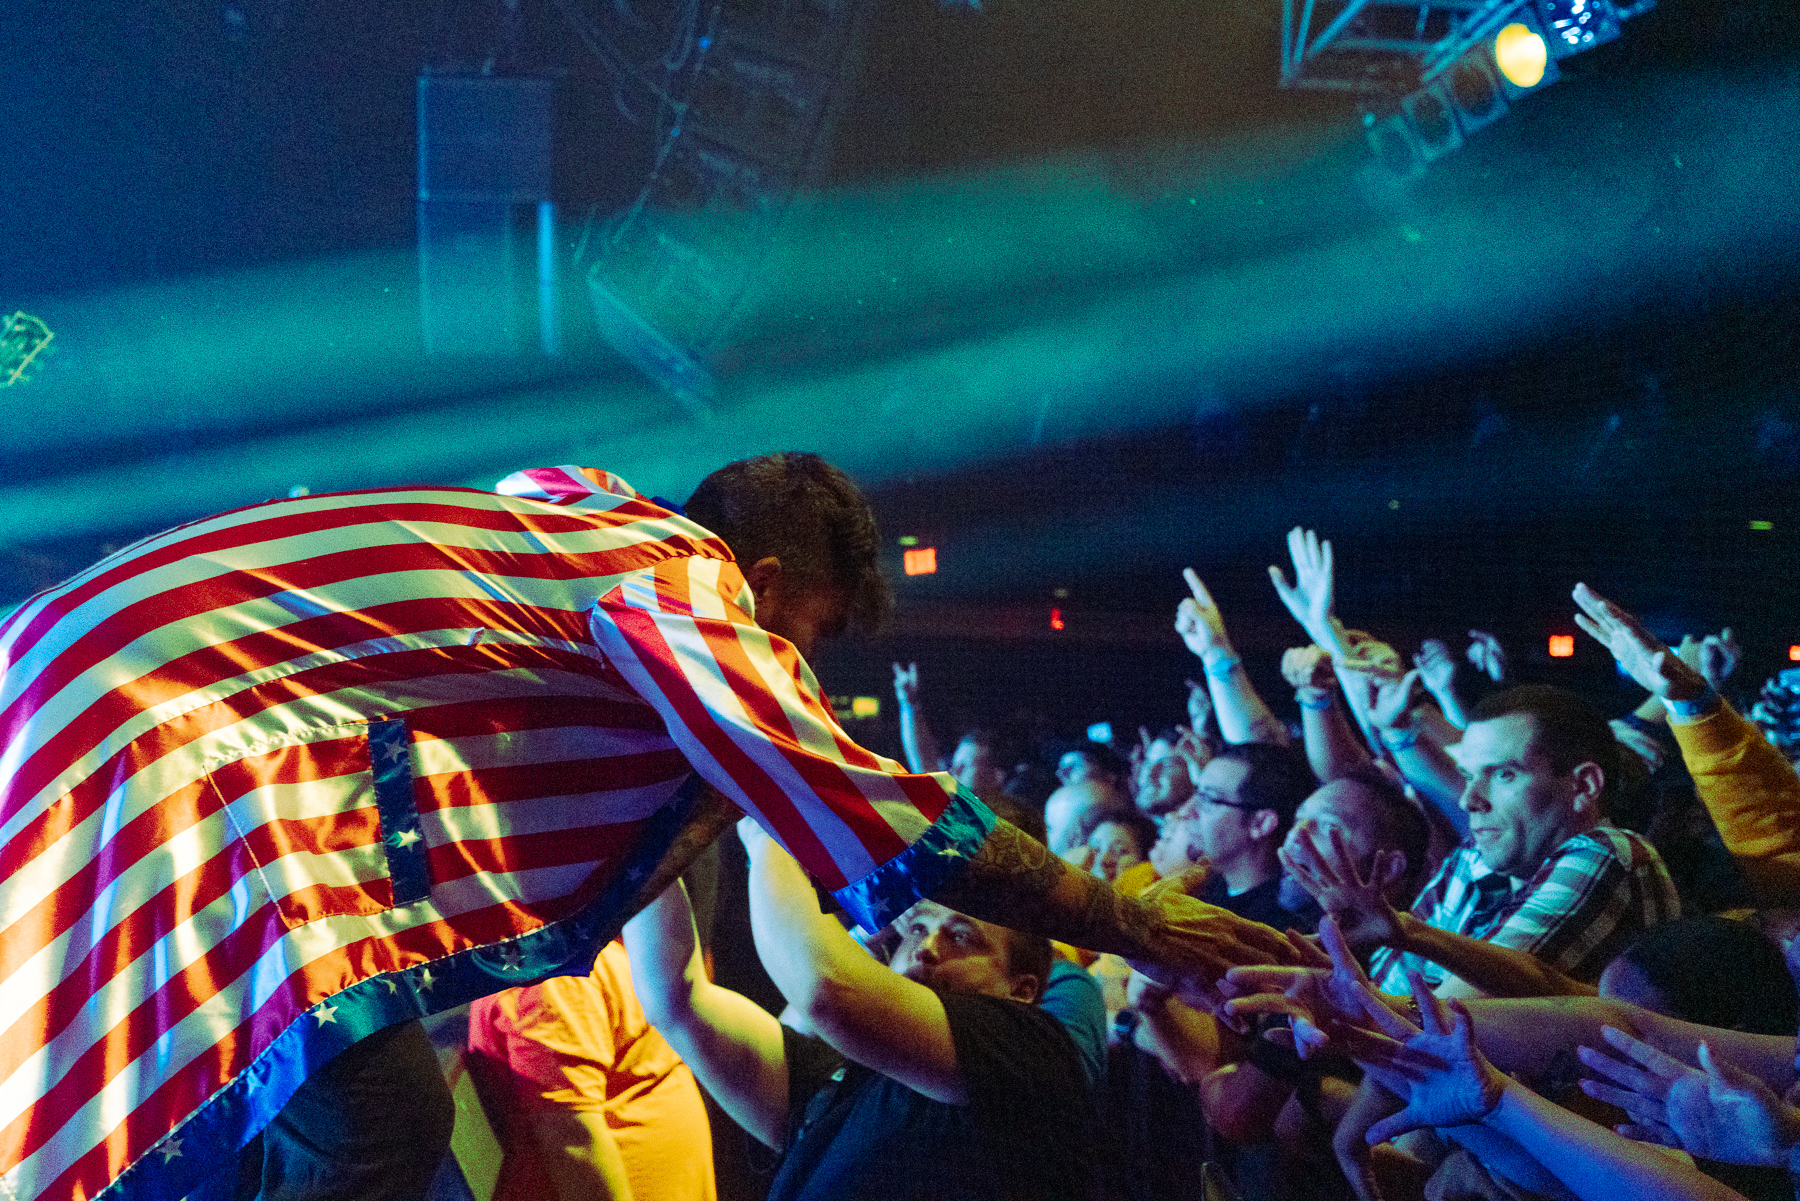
1015 881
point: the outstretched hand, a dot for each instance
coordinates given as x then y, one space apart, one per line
1308 667
1325 1003
1200 943
1716 1111
1436 668
1393 701
1640 654
1310 599
1329 873
1444 1078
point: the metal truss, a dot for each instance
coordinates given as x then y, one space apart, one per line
1381 46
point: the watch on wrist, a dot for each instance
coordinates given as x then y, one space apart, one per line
1701 705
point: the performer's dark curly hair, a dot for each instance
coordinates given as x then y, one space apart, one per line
807 513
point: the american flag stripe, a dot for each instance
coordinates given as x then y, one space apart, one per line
200 856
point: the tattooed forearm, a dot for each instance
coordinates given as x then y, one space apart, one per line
1015 881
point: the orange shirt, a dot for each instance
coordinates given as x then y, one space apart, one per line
583 1042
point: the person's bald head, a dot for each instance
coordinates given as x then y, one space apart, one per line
1073 811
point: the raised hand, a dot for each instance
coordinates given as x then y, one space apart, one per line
1199 708
1310 598
1307 667
1198 620
1445 1080
1487 655
1715 656
1715 1112
1639 653
1644 746
1359 906
906 684
1393 702
1436 668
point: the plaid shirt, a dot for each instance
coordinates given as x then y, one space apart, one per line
1593 895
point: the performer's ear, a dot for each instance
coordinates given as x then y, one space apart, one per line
763 575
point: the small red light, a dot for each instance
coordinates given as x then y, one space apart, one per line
922 561
1056 621
1562 646
1794 653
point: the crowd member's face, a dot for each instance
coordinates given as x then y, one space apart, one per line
1344 806
1064 810
1177 845
953 952
1076 768
1226 832
1165 784
1520 809
1116 847
973 766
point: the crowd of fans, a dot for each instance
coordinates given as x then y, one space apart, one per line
1527 951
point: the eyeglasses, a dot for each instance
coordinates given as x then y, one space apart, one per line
1219 798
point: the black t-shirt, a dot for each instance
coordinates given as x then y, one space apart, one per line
1260 904
1026 1134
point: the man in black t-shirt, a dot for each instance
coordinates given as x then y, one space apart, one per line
954 1073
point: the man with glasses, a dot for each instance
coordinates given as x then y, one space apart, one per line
1243 804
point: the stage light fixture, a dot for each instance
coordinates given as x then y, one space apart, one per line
1474 92
1562 646
1396 146
1577 25
1433 122
1794 653
1522 55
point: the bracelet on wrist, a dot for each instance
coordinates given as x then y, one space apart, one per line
1700 706
1220 666
1399 740
1316 699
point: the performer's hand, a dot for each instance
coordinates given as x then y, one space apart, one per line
1197 943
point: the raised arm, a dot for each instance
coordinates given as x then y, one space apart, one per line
1751 791
917 742
1241 713
1333 747
1416 749
732 1044
867 1012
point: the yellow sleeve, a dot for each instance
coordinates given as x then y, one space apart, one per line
1753 795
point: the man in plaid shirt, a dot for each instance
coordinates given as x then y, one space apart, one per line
1542 872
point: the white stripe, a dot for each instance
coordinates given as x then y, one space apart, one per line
544 815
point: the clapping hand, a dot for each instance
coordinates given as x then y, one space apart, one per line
1716 1111
1359 906
1640 654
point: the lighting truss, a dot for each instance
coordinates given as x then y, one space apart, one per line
1393 47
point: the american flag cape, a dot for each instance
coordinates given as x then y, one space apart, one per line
279 778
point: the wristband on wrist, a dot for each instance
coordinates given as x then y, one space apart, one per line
1318 703
1701 705
1399 740
1220 666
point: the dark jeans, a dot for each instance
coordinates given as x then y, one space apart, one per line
371 1125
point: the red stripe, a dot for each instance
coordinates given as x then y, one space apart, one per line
560 778
516 714
527 852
